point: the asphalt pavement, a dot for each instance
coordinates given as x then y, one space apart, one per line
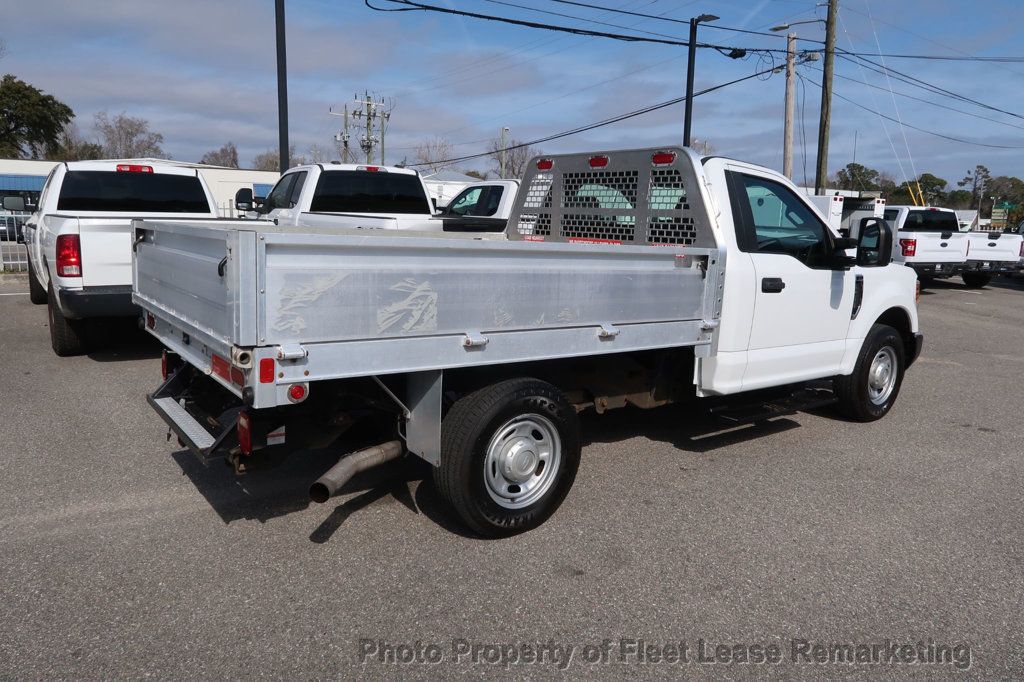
122 556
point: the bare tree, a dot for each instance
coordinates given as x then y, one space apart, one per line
703 146
318 154
517 155
226 156
270 160
126 137
72 146
433 154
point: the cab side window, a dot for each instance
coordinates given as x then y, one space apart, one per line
280 196
465 203
773 219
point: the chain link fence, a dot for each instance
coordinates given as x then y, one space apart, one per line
13 256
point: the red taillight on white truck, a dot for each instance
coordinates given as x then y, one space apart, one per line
69 256
908 247
1021 253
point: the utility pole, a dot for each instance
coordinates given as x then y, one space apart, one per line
372 110
343 136
691 58
821 173
282 87
787 136
501 152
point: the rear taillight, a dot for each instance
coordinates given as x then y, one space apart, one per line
297 393
69 256
169 364
908 247
133 168
1021 253
244 428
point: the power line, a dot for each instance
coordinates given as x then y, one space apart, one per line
917 128
605 122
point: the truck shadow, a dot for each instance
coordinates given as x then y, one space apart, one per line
120 339
278 485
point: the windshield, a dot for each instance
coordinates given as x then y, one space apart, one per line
369 192
930 220
120 192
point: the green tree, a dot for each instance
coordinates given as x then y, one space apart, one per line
975 181
857 177
30 120
959 199
933 188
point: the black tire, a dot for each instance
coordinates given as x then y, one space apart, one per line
36 292
67 337
925 281
854 391
976 280
467 431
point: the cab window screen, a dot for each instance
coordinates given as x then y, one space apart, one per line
369 192
116 192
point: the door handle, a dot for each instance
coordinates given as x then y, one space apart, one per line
772 285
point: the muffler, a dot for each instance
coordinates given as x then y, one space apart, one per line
350 465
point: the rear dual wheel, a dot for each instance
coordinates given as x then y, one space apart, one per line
509 455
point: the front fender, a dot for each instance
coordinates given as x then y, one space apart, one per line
887 291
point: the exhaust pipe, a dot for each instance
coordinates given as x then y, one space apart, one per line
350 465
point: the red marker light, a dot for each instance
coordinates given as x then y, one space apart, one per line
267 371
545 164
133 168
297 393
598 161
663 158
69 255
244 432
150 321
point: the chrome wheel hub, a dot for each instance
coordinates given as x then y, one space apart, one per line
522 461
882 376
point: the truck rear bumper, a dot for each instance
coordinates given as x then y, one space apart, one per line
937 270
110 301
994 267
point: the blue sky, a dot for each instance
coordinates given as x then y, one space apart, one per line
203 73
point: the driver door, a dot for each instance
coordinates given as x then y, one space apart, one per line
802 307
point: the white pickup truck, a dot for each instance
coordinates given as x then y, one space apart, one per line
481 207
336 195
928 240
991 253
79 239
631 277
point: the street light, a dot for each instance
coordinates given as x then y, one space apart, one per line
691 58
786 27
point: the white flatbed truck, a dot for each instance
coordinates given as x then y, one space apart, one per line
635 277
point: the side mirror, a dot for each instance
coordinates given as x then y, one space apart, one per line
14 204
243 199
874 247
840 246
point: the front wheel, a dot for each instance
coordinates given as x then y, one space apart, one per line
869 393
509 455
976 280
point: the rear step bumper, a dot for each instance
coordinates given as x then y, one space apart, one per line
186 427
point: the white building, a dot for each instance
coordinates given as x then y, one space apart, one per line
21 177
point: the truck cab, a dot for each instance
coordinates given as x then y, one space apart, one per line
929 240
346 196
481 207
